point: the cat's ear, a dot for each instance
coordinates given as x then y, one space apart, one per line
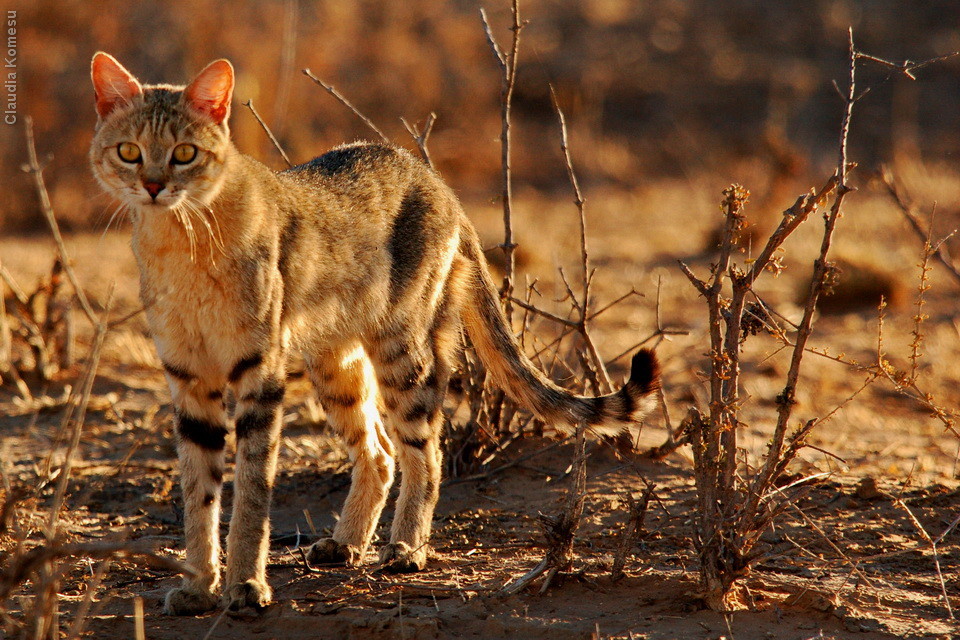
211 91
113 85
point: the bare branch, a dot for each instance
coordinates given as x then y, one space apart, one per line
276 145
342 100
508 70
420 137
33 167
909 211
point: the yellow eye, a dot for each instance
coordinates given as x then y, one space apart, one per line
128 152
184 154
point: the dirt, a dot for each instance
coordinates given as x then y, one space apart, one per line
850 562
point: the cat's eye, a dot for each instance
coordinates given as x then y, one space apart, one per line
184 154
129 152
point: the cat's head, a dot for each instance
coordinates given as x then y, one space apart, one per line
161 148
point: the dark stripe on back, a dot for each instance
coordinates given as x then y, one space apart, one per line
177 372
407 239
289 238
244 365
344 160
203 433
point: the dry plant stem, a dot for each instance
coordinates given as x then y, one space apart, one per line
89 376
34 168
249 104
80 618
139 633
919 317
508 75
23 565
342 100
559 529
6 340
606 386
786 400
287 70
936 553
732 512
631 530
14 287
421 137
906 67
909 211
854 567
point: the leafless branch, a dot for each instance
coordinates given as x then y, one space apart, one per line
420 137
508 76
249 104
342 100
33 168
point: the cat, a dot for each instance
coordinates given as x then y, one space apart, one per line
364 262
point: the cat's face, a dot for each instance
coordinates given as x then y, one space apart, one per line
160 149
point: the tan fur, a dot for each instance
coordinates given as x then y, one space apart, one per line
363 261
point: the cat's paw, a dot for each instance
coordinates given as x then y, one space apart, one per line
399 557
329 551
188 602
252 593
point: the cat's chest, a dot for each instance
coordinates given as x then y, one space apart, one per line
203 314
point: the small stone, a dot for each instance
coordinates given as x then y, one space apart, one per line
868 490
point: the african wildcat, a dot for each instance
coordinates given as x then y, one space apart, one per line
361 259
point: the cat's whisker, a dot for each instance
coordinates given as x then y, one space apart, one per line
192 210
207 216
118 214
184 220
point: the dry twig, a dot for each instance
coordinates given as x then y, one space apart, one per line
420 137
508 76
249 104
342 100
559 529
33 168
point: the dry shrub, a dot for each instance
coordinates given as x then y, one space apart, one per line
739 499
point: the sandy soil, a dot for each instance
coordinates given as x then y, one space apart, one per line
854 563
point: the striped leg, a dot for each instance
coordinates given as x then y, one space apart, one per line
346 385
201 433
259 385
413 376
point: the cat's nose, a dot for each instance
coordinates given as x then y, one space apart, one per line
153 188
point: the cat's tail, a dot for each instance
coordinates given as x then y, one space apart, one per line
524 383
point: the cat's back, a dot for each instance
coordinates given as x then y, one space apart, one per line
369 171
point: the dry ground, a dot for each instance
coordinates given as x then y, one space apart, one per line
854 564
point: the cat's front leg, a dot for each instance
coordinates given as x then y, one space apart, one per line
201 432
258 381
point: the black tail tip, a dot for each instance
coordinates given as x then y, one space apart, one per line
645 370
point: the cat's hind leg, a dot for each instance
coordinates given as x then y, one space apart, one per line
347 389
413 372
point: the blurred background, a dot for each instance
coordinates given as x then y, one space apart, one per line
653 89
